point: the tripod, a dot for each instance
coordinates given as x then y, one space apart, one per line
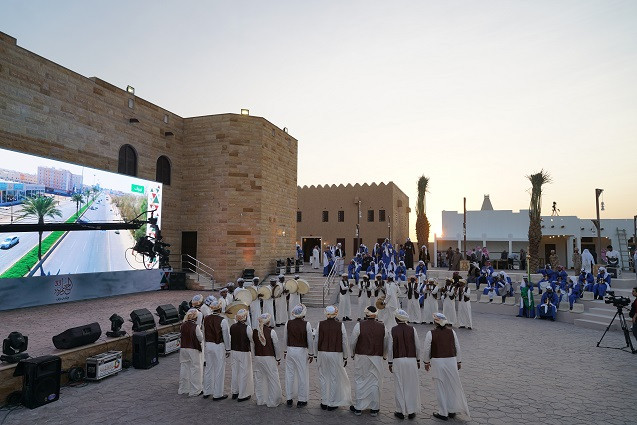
624 326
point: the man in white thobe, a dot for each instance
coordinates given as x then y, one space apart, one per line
255 306
449 302
442 355
413 303
391 304
196 303
281 305
369 351
242 383
464 305
268 305
299 351
344 302
315 258
190 358
364 296
216 332
267 358
404 362
332 351
294 299
205 308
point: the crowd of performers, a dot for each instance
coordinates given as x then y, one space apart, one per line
382 336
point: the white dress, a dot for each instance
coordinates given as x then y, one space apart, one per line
336 389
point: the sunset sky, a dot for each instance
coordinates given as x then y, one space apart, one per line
474 94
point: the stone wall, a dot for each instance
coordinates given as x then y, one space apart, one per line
233 177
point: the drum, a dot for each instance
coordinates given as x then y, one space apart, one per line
291 286
234 308
302 286
380 302
278 290
265 292
243 296
253 292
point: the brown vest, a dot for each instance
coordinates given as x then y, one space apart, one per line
404 343
330 337
442 343
212 328
371 339
239 340
189 335
297 333
260 349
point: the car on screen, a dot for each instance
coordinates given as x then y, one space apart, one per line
9 242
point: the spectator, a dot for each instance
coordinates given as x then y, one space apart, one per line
523 259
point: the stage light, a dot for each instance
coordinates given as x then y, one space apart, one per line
130 89
142 319
116 326
14 347
167 314
245 112
183 309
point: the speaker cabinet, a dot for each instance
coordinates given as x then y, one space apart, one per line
41 380
145 354
142 320
167 314
78 336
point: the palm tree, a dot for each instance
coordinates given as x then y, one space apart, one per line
535 211
40 206
78 198
422 223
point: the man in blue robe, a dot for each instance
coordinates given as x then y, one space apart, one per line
602 285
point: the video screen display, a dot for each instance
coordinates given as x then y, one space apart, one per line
35 189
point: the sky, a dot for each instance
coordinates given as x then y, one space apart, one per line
475 95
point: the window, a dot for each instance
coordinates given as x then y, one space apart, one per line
326 216
381 215
127 161
299 216
370 215
165 118
131 103
341 216
162 174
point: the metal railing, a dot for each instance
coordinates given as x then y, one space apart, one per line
329 280
189 264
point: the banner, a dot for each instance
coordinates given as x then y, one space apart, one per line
42 290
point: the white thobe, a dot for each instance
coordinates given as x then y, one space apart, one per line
363 301
449 308
296 367
429 307
464 310
267 385
242 381
413 309
191 369
295 299
368 375
255 312
205 310
281 306
268 307
446 379
215 369
344 302
336 389
315 258
406 378
391 305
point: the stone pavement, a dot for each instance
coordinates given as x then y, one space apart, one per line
514 370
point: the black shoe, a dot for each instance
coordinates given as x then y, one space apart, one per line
439 416
373 413
490 301
452 415
323 406
244 399
461 327
290 402
469 327
411 416
235 396
331 408
301 403
518 315
399 415
223 397
206 396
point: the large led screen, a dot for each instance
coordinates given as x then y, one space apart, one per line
79 195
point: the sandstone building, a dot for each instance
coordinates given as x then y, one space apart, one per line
328 215
229 180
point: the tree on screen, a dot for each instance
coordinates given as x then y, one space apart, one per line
41 207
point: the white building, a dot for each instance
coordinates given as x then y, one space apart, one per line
501 230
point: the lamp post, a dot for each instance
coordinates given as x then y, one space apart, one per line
464 231
598 224
358 224
389 227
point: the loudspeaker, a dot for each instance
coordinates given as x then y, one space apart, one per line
142 319
41 380
78 336
167 314
177 281
145 349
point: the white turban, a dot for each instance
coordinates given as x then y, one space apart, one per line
263 319
197 300
215 304
241 315
371 311
401 315
209 300
299 311
440 319
331 311
191 314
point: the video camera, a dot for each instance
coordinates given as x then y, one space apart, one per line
618 302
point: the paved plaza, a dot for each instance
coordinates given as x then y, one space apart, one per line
514 371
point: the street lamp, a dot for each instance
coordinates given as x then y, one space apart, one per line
357 201
389 227
598 192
